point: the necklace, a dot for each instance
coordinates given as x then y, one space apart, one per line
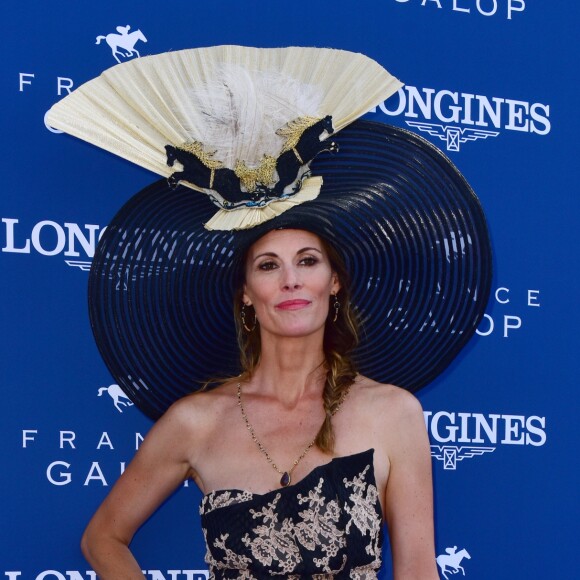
286 478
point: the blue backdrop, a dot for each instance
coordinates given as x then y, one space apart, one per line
491 82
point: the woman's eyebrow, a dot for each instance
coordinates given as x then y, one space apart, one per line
274 255
268 254
308 249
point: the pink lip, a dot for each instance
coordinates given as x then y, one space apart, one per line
293 304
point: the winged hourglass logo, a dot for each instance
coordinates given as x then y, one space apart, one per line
451 454
453 136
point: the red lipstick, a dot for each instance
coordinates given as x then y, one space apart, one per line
295 304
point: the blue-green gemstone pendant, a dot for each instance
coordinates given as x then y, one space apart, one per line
285 479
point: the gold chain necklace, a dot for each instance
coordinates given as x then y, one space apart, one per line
286 478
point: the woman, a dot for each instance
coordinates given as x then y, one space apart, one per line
300 457
289 283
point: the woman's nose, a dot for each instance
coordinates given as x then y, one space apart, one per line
291 280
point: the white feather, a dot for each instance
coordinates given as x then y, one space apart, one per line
237 114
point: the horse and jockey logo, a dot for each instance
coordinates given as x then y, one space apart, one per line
119 397
123 44
451 561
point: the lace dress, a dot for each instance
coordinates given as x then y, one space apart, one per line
328 525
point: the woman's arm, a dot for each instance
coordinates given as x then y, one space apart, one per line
162 463
409 492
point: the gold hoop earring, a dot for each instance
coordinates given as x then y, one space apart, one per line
336 306
243 317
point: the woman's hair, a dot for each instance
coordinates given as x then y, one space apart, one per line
340 339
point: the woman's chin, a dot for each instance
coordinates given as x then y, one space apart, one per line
296 330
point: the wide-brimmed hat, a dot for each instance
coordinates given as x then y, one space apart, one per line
408 225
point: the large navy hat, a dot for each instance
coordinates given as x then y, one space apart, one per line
411 231
270 137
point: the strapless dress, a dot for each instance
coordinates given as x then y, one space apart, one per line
328 525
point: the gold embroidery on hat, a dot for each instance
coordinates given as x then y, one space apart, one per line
250 177
293 130
206 157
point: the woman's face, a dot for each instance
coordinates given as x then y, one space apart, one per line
289 281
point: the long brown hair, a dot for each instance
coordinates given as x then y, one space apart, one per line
340 339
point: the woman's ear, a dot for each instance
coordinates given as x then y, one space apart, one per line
245 298
335 286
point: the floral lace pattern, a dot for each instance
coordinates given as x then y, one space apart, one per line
363 514
329 525
221 499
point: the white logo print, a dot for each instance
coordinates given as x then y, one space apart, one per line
123 44
118 396
453 136
50 238
451 454
457 117
458 436
450 562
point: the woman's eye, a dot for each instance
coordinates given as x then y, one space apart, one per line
308 261
267 266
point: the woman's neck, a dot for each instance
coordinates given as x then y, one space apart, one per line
290 368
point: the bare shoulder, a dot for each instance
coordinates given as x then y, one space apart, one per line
199 404
392 413
193 417
385 399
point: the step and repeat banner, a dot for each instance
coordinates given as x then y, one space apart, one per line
490 82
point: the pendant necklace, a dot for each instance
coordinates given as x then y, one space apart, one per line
286 478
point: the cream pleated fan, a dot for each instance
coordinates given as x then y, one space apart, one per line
231 99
